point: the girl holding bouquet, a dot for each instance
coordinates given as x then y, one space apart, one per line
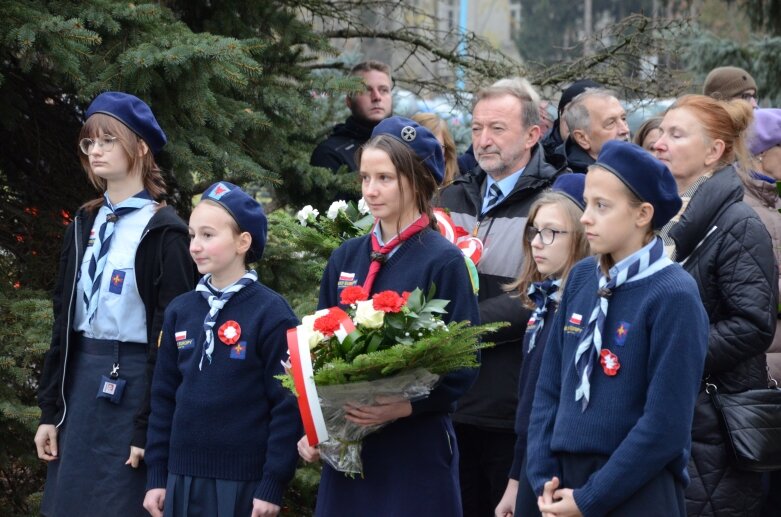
610 425
555 239
222 432
411 465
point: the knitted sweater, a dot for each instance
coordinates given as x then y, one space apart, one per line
424 259
231 420
641 417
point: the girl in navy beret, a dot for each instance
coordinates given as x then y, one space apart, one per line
223 430
611 419
124 257
555 241
411 465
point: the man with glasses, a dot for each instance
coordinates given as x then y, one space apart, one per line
492 203
731 82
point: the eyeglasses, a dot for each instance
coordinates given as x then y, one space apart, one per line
106 144
547 235
747 96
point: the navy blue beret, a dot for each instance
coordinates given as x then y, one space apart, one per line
648 178
134 113
247 212
422 141
571 185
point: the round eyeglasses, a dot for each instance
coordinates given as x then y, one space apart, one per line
106 144
547 235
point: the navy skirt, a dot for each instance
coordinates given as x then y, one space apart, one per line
188 496
662 495
410 469
90 477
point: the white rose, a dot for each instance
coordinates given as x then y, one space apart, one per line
315 338
306 214
306 332
363 207
335 208
367 316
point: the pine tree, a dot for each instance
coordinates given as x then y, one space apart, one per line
25 320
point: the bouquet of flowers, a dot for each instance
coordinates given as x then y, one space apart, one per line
391 347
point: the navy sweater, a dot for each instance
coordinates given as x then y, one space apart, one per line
425 258
530 372
231 420
641 418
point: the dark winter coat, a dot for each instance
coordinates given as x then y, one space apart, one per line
551 142
491 402
338 150
762 196
723 244
578 160
163 269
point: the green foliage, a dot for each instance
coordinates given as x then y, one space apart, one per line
295 255
25 322
439 353
760 56
231 86
765 15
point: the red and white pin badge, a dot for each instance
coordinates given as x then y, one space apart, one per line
472 248
229 333
609 362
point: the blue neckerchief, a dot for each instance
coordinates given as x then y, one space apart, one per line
102 244
590 347
541 293
216 302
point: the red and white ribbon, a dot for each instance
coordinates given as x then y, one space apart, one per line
303 374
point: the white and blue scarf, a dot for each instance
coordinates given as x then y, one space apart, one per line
541 293
216 302
589 349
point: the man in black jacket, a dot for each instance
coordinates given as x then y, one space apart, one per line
593 117
555 137
368 108
493 203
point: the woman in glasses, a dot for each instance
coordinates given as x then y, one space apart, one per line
555 240
124 257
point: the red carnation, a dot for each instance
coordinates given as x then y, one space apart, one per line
609 362
405 295
352 294
327 324
388 301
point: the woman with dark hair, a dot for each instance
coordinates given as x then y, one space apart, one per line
648 134
124 257
411 465
722 243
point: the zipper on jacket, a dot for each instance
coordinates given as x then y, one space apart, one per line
684 261
68 320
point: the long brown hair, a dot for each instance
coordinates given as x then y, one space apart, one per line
130 143
578 248
408 165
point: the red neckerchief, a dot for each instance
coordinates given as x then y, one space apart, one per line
380 253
